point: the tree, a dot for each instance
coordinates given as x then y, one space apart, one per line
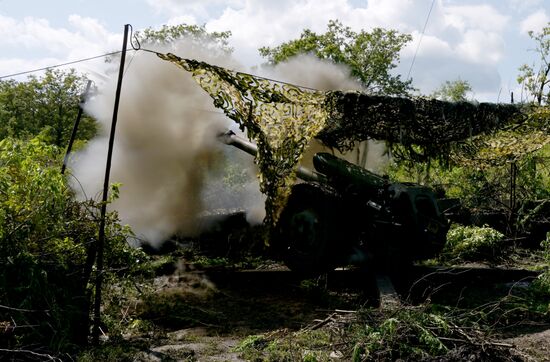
537 82
49 102
370 55
168 35
454 91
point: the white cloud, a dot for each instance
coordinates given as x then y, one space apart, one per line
523 5
15 65
267 24
458 37
50 45
535 22
430 46
194 8
481 47
33 33
182 19
483 17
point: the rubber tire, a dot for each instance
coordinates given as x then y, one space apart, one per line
307 229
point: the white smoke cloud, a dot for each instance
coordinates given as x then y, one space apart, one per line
165 148
309 71
166 155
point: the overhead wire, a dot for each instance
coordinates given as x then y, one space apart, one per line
133 38
420 39
60 65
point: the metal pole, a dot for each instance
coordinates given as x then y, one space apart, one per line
75 127
101 238
513 179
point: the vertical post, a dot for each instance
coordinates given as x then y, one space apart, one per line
75 127
101 237
513 178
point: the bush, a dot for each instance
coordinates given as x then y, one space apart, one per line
544 279
472 243
47 249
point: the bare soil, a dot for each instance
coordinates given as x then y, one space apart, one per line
204 315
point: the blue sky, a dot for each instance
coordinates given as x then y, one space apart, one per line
483 42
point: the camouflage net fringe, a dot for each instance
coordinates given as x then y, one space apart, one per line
282 119
427 128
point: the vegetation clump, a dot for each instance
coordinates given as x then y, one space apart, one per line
473 243
48 250
544 279
409 333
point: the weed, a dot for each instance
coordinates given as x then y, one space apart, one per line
472 243
544 279
304 345
109 353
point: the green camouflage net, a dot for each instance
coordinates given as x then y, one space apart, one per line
280 118
425 128
506 145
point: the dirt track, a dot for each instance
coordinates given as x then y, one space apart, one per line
203 315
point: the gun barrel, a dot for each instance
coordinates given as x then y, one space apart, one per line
230 138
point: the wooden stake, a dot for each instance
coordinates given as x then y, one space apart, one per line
75 127
101 238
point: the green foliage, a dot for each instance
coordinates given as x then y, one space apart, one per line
110 353
536 81
34 196
256 341
411 333
44 237
472 243
370 55
454 91
168 35
544 279
49 102
484 184
304 345
47 248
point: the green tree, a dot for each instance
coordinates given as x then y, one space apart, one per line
454 91
168 35
370 55
536 79
48 102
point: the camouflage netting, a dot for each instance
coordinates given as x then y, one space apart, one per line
506 145
429 124
282 119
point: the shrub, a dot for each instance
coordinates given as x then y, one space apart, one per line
47 249
544 279
473 243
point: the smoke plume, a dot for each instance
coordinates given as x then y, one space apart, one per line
166 156
165 148
310 71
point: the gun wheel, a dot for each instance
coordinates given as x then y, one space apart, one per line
306 229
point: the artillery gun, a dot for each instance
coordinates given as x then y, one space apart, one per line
342 214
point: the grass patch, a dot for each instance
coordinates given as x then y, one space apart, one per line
406 333
473 243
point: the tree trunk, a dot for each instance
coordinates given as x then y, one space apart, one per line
543 82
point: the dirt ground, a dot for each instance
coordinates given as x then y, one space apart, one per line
533 346
203 316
